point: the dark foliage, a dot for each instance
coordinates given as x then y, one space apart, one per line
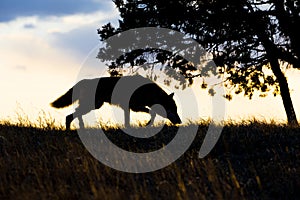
244 37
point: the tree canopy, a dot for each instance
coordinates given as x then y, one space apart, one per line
243 36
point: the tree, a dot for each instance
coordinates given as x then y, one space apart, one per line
243 36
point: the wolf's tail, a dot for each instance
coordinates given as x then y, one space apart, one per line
64 101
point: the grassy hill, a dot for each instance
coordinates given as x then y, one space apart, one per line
252 160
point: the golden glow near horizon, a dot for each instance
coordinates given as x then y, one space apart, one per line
41 59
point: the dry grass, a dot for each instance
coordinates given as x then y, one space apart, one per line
252 160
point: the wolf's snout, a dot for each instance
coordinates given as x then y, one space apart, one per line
174 118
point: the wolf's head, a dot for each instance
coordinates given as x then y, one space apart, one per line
170 109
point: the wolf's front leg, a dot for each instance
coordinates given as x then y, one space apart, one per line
151 121
81 124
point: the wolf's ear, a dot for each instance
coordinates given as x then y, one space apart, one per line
171 95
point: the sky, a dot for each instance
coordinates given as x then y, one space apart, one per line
45 44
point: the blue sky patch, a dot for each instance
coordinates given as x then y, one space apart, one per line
11 9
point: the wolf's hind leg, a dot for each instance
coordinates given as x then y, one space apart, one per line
69 119
77 114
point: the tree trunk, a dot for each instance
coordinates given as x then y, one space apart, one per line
271 50
284 91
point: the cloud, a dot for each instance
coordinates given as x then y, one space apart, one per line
21 68
12 9
80 40
83 37
74 34
29 26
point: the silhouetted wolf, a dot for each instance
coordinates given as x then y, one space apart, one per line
92 93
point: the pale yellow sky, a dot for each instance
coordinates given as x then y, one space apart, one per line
42 57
